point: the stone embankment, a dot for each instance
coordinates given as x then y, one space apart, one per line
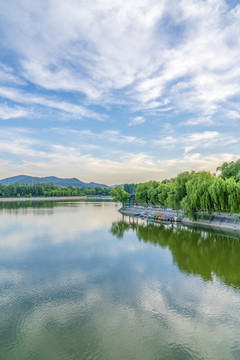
217 221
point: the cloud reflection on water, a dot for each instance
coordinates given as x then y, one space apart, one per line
75 291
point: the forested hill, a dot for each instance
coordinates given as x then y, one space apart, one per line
30 180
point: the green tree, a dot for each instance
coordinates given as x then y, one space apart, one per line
233 193
142 193
147 192
163 191
219 195
178 190
165 181
230 169
118 194
152 192
198 198
130 188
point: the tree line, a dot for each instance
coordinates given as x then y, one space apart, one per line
49 190
196 193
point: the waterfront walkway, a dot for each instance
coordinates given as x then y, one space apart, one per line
220 221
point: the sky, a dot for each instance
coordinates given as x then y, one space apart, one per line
116 91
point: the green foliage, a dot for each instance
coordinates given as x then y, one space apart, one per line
177 190
142 193
180 190
165 181
231 169
197 193
219 195
152 192
147 192
163 190
130 188
118 194
198 197
233 193
48 190
118 228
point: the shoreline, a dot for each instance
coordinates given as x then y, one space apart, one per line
222 222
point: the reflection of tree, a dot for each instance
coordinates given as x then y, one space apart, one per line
194 251
50 203
27 204
119 227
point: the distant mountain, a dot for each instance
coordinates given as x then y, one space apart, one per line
24 179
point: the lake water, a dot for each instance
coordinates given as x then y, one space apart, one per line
77 281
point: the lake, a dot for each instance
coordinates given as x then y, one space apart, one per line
79 281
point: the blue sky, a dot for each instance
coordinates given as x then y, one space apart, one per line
117 92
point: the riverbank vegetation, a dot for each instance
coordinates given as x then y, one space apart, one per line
119 194
48 190
196 192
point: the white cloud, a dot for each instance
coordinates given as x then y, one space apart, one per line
99 40
162 60
78 161
137 120
59 79
108 136
26 98
116 137
206 139
196 162
18 142
202 120
95 49
233 114
167 142
7 75
7 112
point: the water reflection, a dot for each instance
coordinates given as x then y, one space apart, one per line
194 251
69 289
10 205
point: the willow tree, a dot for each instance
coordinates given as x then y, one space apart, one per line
219 194
163 191
198 198
176 190
118 194
180 190
233 194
